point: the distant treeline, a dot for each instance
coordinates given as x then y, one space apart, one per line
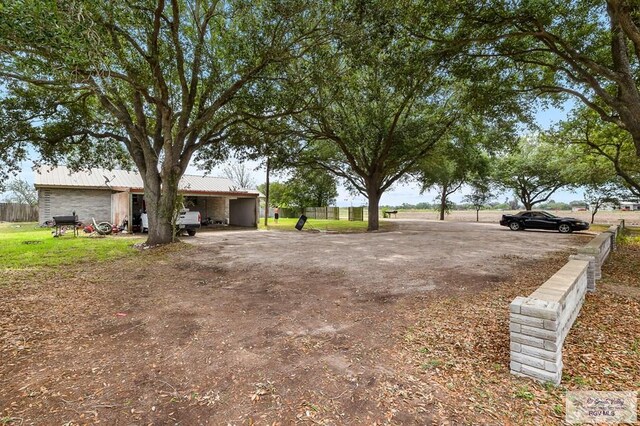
551 205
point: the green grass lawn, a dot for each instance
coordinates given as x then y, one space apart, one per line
288 224
25 245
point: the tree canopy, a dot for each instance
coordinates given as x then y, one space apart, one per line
21 192
533 170
149 82
601 152
365 90
455 162
585 49
305 188
376 109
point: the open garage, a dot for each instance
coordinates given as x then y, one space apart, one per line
117 196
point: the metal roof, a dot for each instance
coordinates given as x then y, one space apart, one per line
118 179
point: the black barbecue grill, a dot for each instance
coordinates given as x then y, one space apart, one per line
60 221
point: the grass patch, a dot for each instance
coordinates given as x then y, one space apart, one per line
598 228
524 393
26 246
432 363
288 224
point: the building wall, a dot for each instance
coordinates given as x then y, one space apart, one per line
87 203
217 208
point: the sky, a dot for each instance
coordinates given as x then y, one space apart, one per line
396 196
410 193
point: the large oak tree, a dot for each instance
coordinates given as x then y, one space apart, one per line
533 170
378 99
146 81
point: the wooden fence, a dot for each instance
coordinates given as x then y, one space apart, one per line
12 212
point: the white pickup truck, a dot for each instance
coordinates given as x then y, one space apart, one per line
187 221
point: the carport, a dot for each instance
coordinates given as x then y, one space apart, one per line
116 195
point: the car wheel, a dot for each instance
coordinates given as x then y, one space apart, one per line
191 232
565 228
515 226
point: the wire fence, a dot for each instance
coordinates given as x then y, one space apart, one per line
326 213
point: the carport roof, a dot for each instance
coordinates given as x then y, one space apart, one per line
122 179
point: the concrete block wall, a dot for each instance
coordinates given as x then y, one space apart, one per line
540 323
87 203
598 248
217 209
614 231
591 269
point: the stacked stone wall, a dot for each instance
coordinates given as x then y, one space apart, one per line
539 323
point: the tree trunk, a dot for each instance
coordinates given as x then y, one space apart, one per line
443 202
477 215
527 204
374 203
160 198
595 210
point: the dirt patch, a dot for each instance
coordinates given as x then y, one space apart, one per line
253 327
461 347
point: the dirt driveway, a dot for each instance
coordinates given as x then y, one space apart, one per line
245 327
419 256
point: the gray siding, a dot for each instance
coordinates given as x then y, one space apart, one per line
243 212
87 203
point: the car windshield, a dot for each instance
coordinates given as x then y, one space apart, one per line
549 214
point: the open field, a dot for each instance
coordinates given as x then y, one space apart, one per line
259 327
493 216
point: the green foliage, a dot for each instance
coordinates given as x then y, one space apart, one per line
533 170
603 155
407 206
311 188
524 393
149 83
589 50
558 409
451 165
481 193
554 205
305 188
277 193
378 108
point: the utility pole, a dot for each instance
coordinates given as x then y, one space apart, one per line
266 201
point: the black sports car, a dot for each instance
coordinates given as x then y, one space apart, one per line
542 220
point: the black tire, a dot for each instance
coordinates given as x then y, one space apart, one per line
515 226
565 228
191 232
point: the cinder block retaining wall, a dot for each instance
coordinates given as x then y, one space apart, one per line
540 322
